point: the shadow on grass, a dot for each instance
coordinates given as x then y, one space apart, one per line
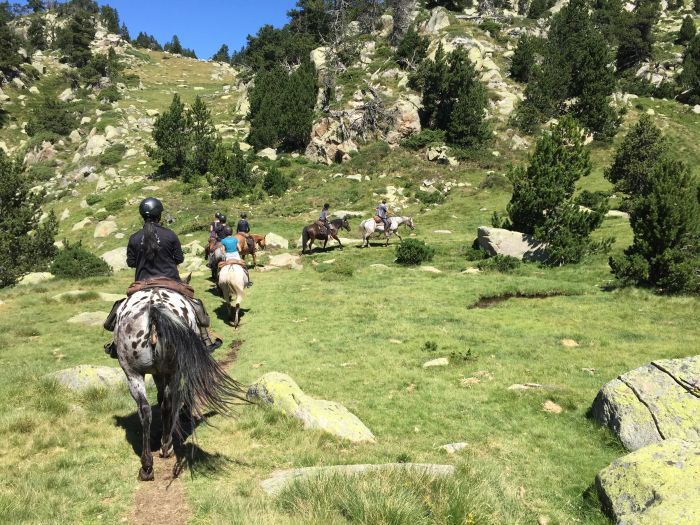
188 455
327 249
221 312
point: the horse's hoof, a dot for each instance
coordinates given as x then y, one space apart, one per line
146 476
167 453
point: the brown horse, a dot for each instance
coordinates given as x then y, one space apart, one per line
313 231
259 240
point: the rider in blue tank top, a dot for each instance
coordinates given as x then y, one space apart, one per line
230 244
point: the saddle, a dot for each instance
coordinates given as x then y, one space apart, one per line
377 219
230 262
161 282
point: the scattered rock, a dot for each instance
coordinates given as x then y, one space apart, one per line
430 269
442 232
525 386
551 407
618 213
116 259
471 271
439 19
282 393
284 260
83 377
656 484
452 448
468 382
80 225
268 153
105 229
379 266
497 241
280 479
569 343
35 278
440 361
276 241
651 403
89 318
96 145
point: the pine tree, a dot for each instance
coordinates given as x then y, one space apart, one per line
229 173
19 213
124 33
542 203
203 136
696 6
222 55
171 134
636 158
174 46
451 5
689 78
146 41
9 43
110 18
537 9
559 160
665 220
687 30
74 40
52 116
636 37
430 79
467 126
35 34
37 6
412 49
523 60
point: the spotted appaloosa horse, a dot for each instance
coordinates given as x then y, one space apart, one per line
156 333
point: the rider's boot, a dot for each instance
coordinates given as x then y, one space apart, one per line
209 338
109 324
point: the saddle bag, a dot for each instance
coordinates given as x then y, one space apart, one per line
377 219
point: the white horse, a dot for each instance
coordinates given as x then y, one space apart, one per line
369 228
233 279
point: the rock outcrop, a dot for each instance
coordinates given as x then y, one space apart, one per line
89 318
116 259
497 241
83 377
281 393
657 484
652 403
35 278
286 260
273 240
280 479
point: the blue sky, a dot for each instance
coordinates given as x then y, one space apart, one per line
202 25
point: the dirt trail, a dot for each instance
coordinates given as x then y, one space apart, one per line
163 500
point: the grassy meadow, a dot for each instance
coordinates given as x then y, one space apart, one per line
350 332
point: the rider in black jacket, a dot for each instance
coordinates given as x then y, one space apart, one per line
155 251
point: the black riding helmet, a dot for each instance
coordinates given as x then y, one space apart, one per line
222 218
217 215
151 209
244 215
326 206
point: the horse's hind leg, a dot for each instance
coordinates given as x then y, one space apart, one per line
166 410
137 387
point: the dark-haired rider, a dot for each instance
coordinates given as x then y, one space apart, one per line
383 214
323 219
154 252
244 229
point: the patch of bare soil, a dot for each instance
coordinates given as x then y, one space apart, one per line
162 500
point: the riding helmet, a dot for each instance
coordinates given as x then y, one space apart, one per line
222 218
244 215
217 215
326 206
151 209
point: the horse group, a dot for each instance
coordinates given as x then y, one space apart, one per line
157 333
369 228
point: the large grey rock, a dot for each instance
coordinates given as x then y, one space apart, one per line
35 278
497 241
439 19
116 258
105 229
657 401
276 241
280 479
267 153
82 377
80 225
286 260
89 318
96 145
281 393
655 485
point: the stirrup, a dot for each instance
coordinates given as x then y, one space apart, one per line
216 344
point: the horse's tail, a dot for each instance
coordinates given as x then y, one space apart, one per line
200 384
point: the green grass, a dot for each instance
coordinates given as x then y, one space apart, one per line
348 332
